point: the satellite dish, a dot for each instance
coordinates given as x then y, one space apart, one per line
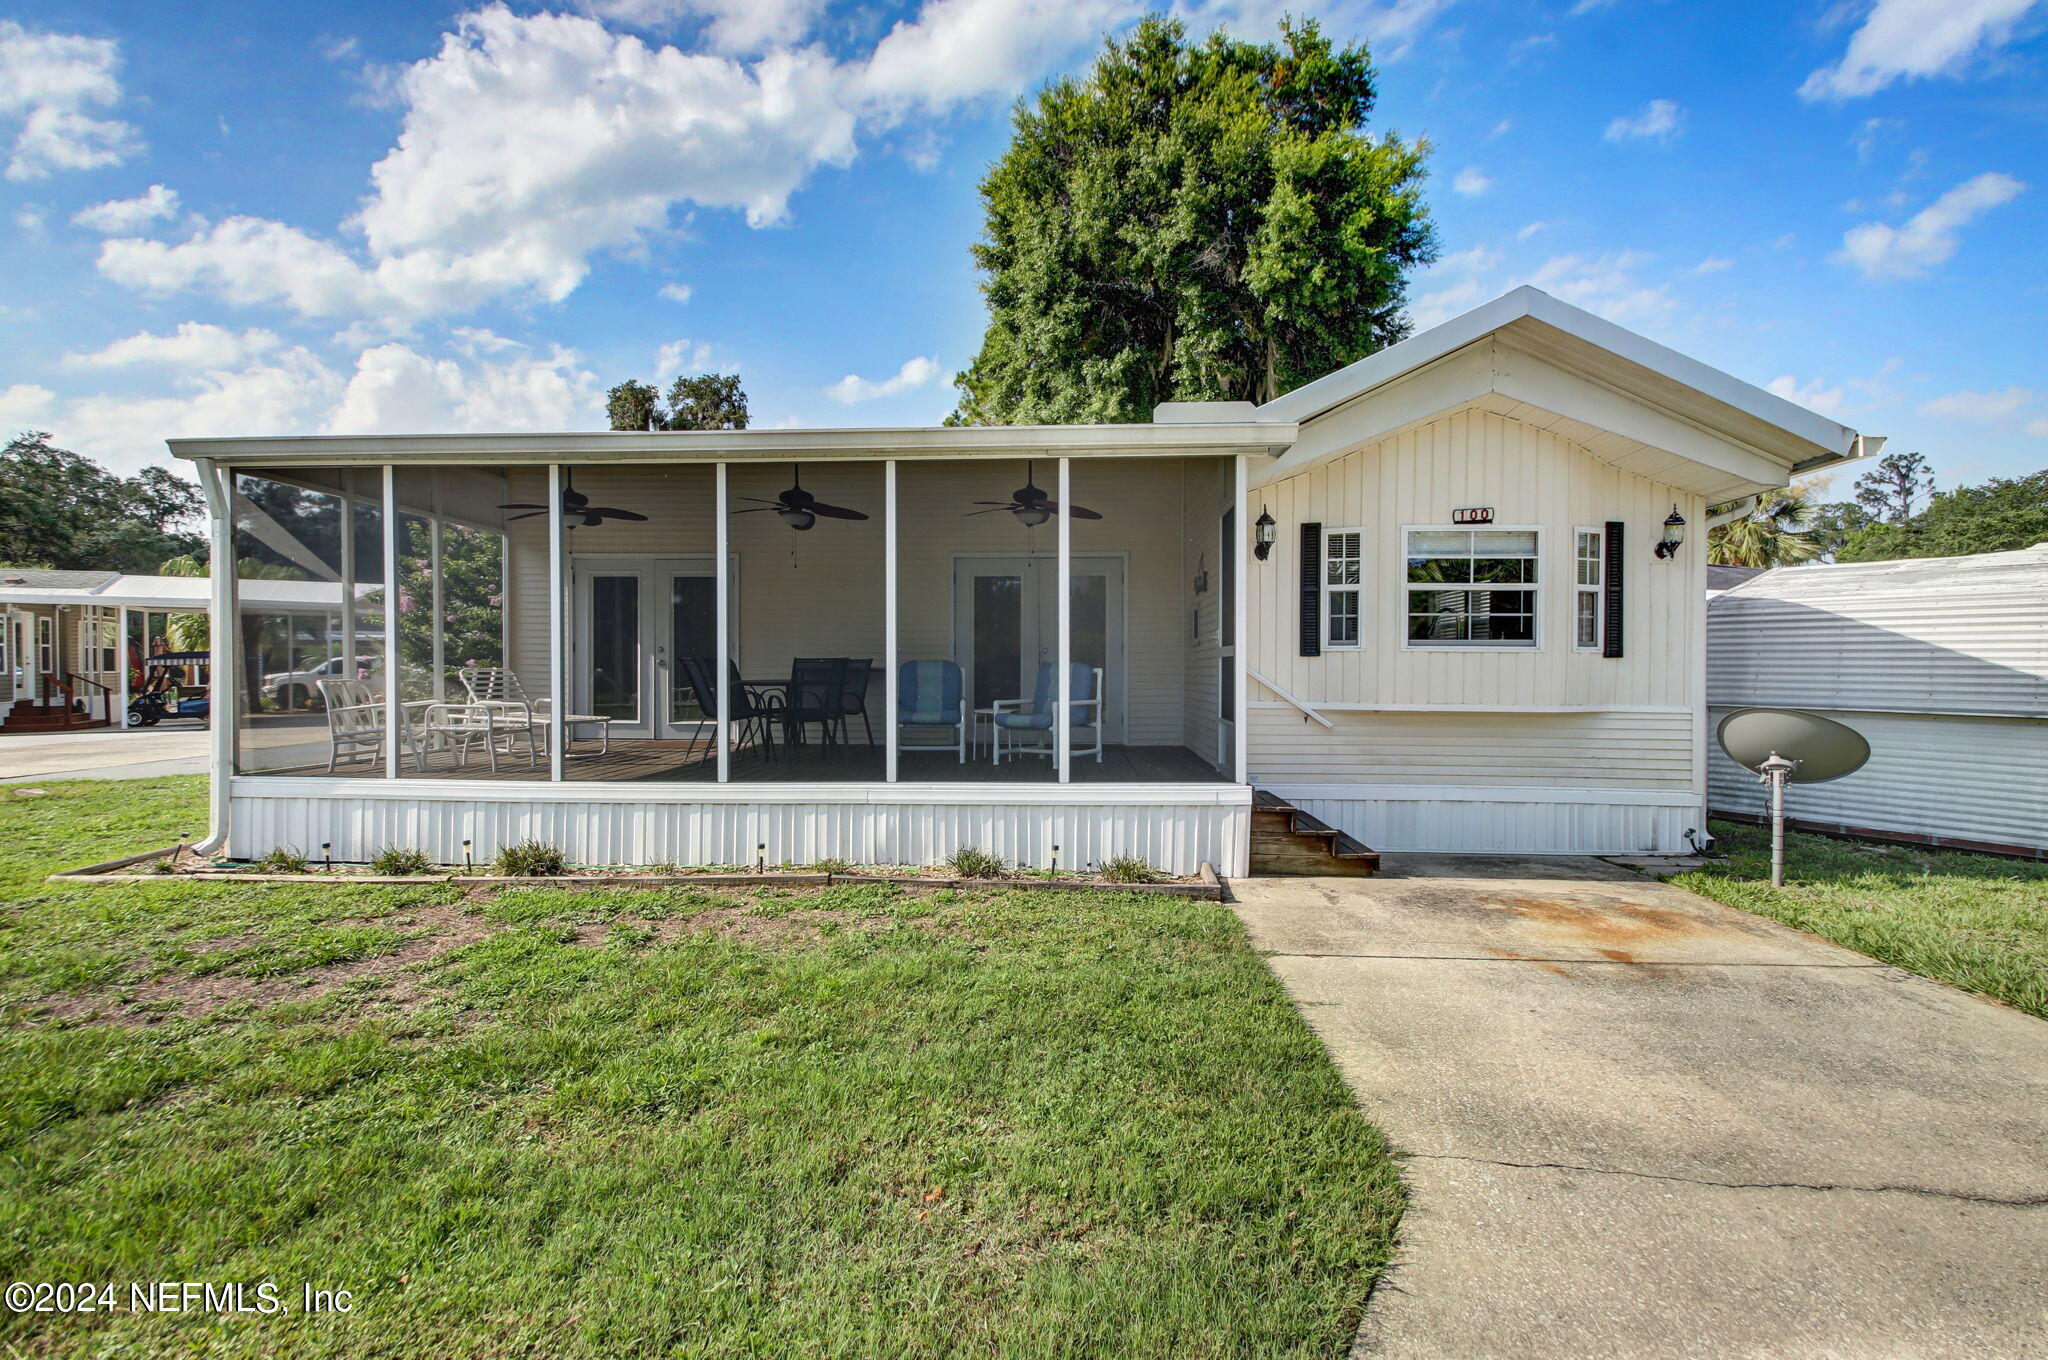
1823 749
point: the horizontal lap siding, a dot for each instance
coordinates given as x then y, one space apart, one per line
1178 839
1533 750
821 592
1966 778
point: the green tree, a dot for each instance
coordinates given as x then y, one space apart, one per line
1192 222
1835 525
60 509
2002 515
1894 489
634 406
709 401
1773 534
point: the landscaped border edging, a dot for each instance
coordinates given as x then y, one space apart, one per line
1210 889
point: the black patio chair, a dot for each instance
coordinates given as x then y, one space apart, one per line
816 694
751 713
854 697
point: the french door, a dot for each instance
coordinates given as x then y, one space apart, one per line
1006 625
635 618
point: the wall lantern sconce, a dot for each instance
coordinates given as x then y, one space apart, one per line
1262 534
1674 534
1202 576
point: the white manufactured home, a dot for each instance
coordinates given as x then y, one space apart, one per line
1941 663
1439 599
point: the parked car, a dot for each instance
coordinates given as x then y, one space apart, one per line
291 690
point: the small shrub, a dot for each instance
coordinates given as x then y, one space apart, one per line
394 862
971 861
832 864
283 860
528 859
1127 869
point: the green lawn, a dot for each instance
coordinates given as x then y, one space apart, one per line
834 1122
1971 920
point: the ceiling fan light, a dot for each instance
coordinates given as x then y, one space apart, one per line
798 520
1031 516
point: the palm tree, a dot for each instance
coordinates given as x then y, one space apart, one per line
1773 534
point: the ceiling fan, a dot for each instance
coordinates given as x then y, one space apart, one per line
1030 506
799 508
574 504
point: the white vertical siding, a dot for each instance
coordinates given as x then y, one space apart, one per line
1174 832
1504 826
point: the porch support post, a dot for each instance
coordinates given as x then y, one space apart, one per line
721 684
223 641
1062 724
394 700
1241 620
440 631
889 662
348 574
120 713
557 667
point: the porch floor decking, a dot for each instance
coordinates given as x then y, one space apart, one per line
644 761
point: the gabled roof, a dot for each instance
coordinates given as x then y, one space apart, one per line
1627 399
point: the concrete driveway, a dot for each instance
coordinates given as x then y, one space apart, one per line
102 753
1640 1124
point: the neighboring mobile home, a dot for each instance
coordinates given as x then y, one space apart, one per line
1940 662
1426 598
63 635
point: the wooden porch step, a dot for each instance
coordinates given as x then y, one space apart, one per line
27 717
1288 841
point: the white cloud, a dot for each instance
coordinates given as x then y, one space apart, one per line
129 214
1929 237
1469 261
1472 181
1869 134
738 27
1983 408
1605 284
914 374
1439 305
1530 230
684 356
2038 428
676 292
391 388
960 50
1501 129
31 220
1659 120
250 260
47 81
1713 264
1916 39
195 344
397 390
24 406
1814 396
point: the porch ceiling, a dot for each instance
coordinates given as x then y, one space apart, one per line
739 446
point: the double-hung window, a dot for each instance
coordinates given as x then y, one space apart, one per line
1473 588
1343 575
1588 588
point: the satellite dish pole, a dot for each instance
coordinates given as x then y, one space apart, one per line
1775 772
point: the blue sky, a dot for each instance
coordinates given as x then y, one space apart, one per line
222 220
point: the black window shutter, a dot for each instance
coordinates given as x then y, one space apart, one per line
1610 613
1311 590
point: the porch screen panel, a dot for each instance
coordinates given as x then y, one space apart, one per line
286 536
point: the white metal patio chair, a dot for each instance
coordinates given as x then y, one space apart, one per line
355 725
1016 718
461 725
499 687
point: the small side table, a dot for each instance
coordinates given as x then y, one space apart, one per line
984 731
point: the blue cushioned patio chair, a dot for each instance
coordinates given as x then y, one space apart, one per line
929 695
1016 719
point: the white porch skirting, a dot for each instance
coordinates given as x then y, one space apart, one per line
1174 827
1502 820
